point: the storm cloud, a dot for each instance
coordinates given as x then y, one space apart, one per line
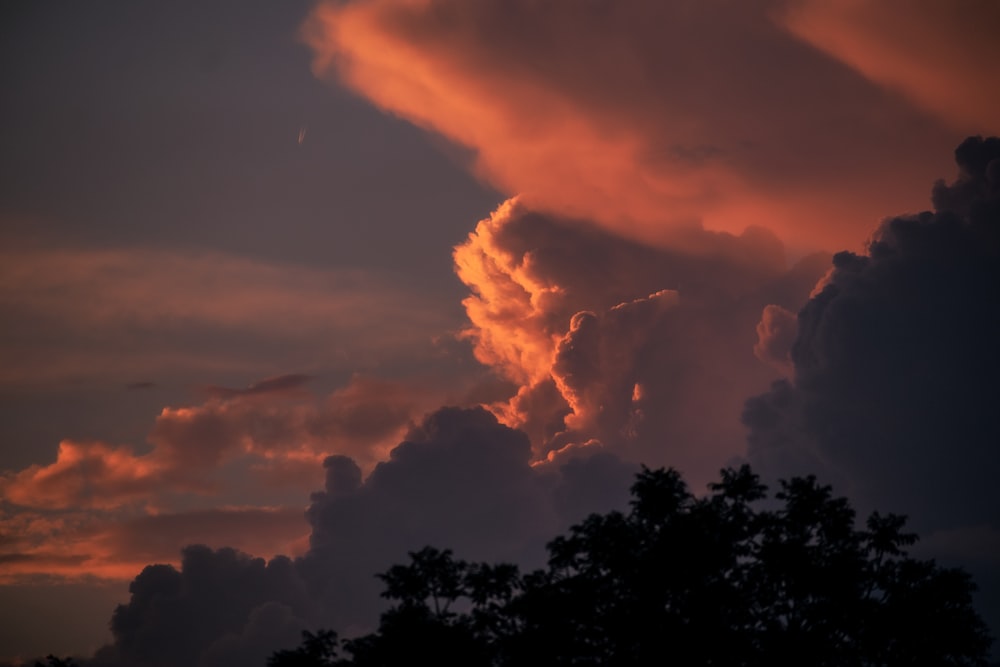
460 479
894 392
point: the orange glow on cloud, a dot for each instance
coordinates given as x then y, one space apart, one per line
84 475
511 308
104 511
80 546
595 331
646 117
942 54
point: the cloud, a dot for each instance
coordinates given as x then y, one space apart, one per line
458 480
291 383
895 368
83 313
647 351
776 333
190 443
649 118
219 604
227 472
894 358
85 475
263 531
943 55
80 546
140 385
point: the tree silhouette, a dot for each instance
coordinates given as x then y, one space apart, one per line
317 650
717 580
53 661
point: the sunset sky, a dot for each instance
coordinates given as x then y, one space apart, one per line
337 280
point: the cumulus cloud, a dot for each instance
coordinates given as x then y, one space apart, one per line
895 361
458 480
609 342
776 333
647 117
220 605
895 365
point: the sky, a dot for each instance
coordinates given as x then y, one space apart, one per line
289 289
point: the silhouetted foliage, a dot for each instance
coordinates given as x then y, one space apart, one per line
701 581
53 661
317 650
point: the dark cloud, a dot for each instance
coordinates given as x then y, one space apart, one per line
896 365
459 480
896 358
291 383
144 384
207 610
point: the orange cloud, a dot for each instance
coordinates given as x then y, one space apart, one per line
235 470
608 342
80 545
648 117
90 475
363 419
518 315
942 54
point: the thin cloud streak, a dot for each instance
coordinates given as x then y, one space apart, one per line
131 312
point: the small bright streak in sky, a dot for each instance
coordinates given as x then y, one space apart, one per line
302 134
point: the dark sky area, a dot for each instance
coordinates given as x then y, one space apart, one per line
288 289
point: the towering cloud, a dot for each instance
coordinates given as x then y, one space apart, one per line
895 360
895 368
646 351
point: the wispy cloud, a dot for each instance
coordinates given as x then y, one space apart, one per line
78 312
